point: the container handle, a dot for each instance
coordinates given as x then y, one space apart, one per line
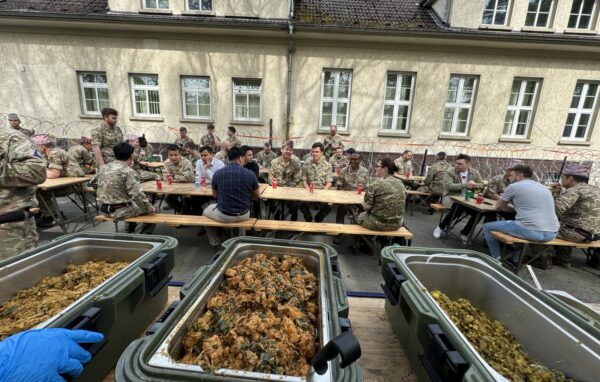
393 280
335 268
156 274
161 320
345 345
441 361
87 321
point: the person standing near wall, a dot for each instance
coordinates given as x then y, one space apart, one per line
105 137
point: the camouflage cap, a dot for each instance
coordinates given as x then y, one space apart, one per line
131 137
577 170
85 140
40 139
13 117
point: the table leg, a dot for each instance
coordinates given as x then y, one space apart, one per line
450 225
470 237
59 219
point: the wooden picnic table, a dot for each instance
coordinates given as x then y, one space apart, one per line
263 170
51 186
413 178
184 189
152 165
331 196
487 206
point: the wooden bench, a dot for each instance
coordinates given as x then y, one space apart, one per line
333 229
180 220
508 239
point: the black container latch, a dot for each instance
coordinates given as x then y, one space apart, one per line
442 362
345 345
335 269
345 324
159 322
393 280
156 274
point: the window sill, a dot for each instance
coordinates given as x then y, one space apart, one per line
156 11
90 116
505 28
150 119
197 120
538 29
567 142
393 134
346 132
579 31
252 123
514 140
198 13
454 137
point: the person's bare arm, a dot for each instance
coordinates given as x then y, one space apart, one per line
503 205
255 193
98 156
327 186
52 173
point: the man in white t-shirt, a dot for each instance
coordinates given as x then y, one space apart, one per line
534 205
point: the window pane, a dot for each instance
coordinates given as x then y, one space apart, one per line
88 78
344 85
240 106
154 102
204 110
89 93
542 20
588 6
461 127
448 115
406 88
582 125
577 95
584 22
150 3
591 96
341 111
388 117
196 83
194 5
207 5
90 105
402 122
522 123
390 87
508 121
569 125
327 114
328 84
163 4
254 106
463 114
530 19
452 89
203 98
191 110
103 103
103 94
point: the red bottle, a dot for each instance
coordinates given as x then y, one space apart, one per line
158 184
406 174
311 187
169 179
274 183
479 199
203 181
359 189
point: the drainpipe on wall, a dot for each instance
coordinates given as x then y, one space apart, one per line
289 73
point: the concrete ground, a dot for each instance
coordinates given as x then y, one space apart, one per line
360 270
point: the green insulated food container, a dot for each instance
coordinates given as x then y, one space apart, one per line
156 357
552 333
121 307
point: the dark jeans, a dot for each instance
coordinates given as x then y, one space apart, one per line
324 210
194 205
456 211
276 208
175 202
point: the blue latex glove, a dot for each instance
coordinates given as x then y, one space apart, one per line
43 354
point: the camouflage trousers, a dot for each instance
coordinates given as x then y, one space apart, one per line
47 208
370 222
130 211
146 175
16 237
351 210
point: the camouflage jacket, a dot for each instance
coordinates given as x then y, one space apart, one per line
435 177
143 152
350 178
210 141
59 159
119 183
264 159
404 166
319 173
579 206
27 132
22 168
222 157
335 142
107 137
233 142
496 186
384 200
182 172
286 173
342 162
453 185
194 157
181 143
84 158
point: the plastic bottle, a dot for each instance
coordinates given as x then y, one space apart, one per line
169 179
359 189
203 181
197 182
159 184
311 187
274 183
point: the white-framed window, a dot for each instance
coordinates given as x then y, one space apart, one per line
247 99
145 95
199 5
195 95
581 112
397 102
495 12
93 88
521 104
459 104
335 98
582 14
539 13
156 4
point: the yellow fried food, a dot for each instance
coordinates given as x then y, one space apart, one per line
32 306
263 318
495 343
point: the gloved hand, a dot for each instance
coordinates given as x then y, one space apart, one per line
43 354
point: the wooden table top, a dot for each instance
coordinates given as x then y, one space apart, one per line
51 184
414 178
152 164
488 205
301 194
186 189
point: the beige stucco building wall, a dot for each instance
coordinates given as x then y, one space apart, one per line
39 77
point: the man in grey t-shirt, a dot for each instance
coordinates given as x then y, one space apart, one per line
534 205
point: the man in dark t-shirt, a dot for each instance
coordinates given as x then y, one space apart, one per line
234 187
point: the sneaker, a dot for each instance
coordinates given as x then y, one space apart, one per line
464 238
437 233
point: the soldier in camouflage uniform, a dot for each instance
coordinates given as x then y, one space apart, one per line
404 163
332 142
434 181
193 154
266 156
136 158
145 149
339 159
578 211
384 200
318 172
22 168
348 180
210 139
182 172
222 155
182 140
119 192
286 169
105 137
15 123
232 138
60 164
82 155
